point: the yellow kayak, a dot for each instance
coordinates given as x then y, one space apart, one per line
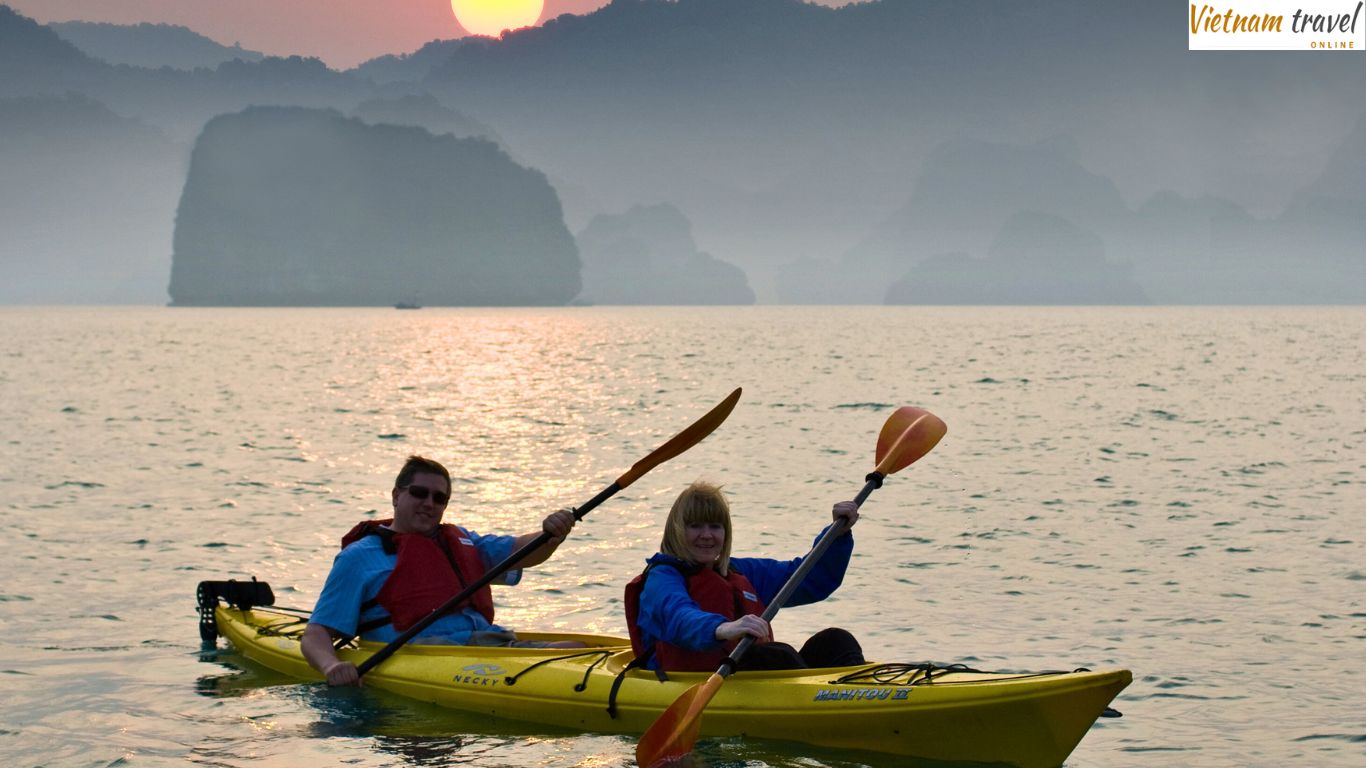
922 711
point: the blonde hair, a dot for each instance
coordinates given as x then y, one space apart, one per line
701 502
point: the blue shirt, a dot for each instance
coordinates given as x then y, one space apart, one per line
668 612
359 572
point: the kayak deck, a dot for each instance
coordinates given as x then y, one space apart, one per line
928 712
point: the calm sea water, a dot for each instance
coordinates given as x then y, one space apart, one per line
1176 491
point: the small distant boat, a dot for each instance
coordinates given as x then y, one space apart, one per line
407 305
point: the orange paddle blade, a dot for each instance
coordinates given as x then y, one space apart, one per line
909 434
673 735
683 440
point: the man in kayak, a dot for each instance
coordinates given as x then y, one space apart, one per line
390 574
694 602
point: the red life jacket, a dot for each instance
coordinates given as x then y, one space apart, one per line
429 571
731 596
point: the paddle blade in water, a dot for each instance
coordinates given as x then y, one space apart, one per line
683 440
908 434
674 733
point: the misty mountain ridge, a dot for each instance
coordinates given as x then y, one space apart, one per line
967 189
83 201
1172 249
412 67
706 102
29 120
150 45
647 255
426 111
1035 259
35 59
951 241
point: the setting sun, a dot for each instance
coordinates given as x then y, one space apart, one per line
492 17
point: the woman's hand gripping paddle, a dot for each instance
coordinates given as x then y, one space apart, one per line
676 445
909 434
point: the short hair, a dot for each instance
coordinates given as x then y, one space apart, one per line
701 502
416 464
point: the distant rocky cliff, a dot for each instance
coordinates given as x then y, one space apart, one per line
990 223
647 256
288 206
1035 259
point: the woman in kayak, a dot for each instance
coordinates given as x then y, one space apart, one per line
694 602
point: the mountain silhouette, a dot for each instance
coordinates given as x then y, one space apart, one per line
423 110
967 190
35 59
647 256
150 45
1034 259
412 67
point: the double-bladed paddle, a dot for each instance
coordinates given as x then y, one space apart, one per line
676 445
908 434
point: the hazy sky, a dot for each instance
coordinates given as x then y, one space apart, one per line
342 33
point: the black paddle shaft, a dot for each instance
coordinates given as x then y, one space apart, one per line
480 583
808 562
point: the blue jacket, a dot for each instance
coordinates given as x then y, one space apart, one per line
667 613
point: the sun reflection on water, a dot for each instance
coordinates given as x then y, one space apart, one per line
483 393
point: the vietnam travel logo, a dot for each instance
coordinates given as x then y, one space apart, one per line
1278 25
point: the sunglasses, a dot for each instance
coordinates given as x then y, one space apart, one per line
421 492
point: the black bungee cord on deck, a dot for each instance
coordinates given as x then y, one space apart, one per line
602 655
